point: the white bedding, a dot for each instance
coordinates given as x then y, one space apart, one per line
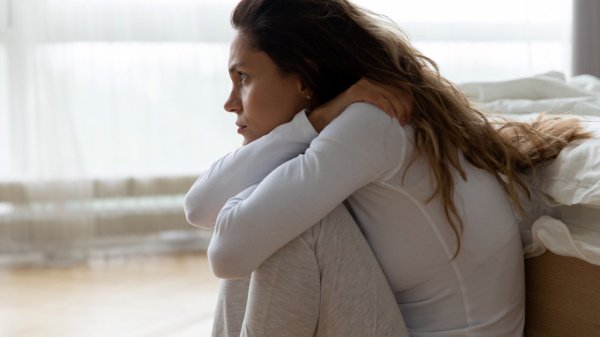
565 211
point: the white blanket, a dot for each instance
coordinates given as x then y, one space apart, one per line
565 211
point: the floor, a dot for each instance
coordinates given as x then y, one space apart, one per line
174 296
168 296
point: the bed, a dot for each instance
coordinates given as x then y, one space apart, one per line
561 234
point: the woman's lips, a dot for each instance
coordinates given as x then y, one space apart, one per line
241 128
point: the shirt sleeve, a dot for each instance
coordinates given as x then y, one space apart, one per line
361 146
245 167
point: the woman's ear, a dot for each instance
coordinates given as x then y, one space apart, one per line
304 91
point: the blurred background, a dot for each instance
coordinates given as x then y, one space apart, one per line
110 109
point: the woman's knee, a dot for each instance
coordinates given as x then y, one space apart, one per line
338 225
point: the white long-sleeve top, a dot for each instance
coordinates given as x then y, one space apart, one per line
264 194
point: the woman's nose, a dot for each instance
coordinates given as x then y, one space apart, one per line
233 103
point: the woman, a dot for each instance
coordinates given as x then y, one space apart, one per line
435 250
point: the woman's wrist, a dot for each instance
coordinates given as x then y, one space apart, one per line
322 115
317 119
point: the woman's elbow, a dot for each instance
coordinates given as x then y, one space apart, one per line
194 214
192 217
227 264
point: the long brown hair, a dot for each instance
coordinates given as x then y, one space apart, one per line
331 44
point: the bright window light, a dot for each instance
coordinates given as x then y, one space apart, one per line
474 40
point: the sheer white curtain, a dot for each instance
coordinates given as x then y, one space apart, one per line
117 88
473 40
110 108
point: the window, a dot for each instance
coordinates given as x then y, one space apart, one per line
118 88
142 108
475 40
115 107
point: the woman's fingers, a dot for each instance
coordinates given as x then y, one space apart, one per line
387 98
392 100
381 101
366 91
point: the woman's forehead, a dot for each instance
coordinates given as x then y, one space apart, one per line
243 55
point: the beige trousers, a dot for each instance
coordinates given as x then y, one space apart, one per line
326 282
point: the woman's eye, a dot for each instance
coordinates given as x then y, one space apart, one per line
242 76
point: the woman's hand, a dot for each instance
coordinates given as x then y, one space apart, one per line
389 99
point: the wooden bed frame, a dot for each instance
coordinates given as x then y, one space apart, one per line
562 297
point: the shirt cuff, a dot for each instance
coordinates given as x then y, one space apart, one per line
304 126
299 129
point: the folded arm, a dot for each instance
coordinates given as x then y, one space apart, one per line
361 146
248 165
245 167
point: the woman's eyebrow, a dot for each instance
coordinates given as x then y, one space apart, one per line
234 67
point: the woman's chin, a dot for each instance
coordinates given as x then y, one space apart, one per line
247 140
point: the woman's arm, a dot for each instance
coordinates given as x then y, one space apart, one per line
360 146
245 167
249 164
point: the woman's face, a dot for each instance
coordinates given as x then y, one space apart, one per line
261 97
